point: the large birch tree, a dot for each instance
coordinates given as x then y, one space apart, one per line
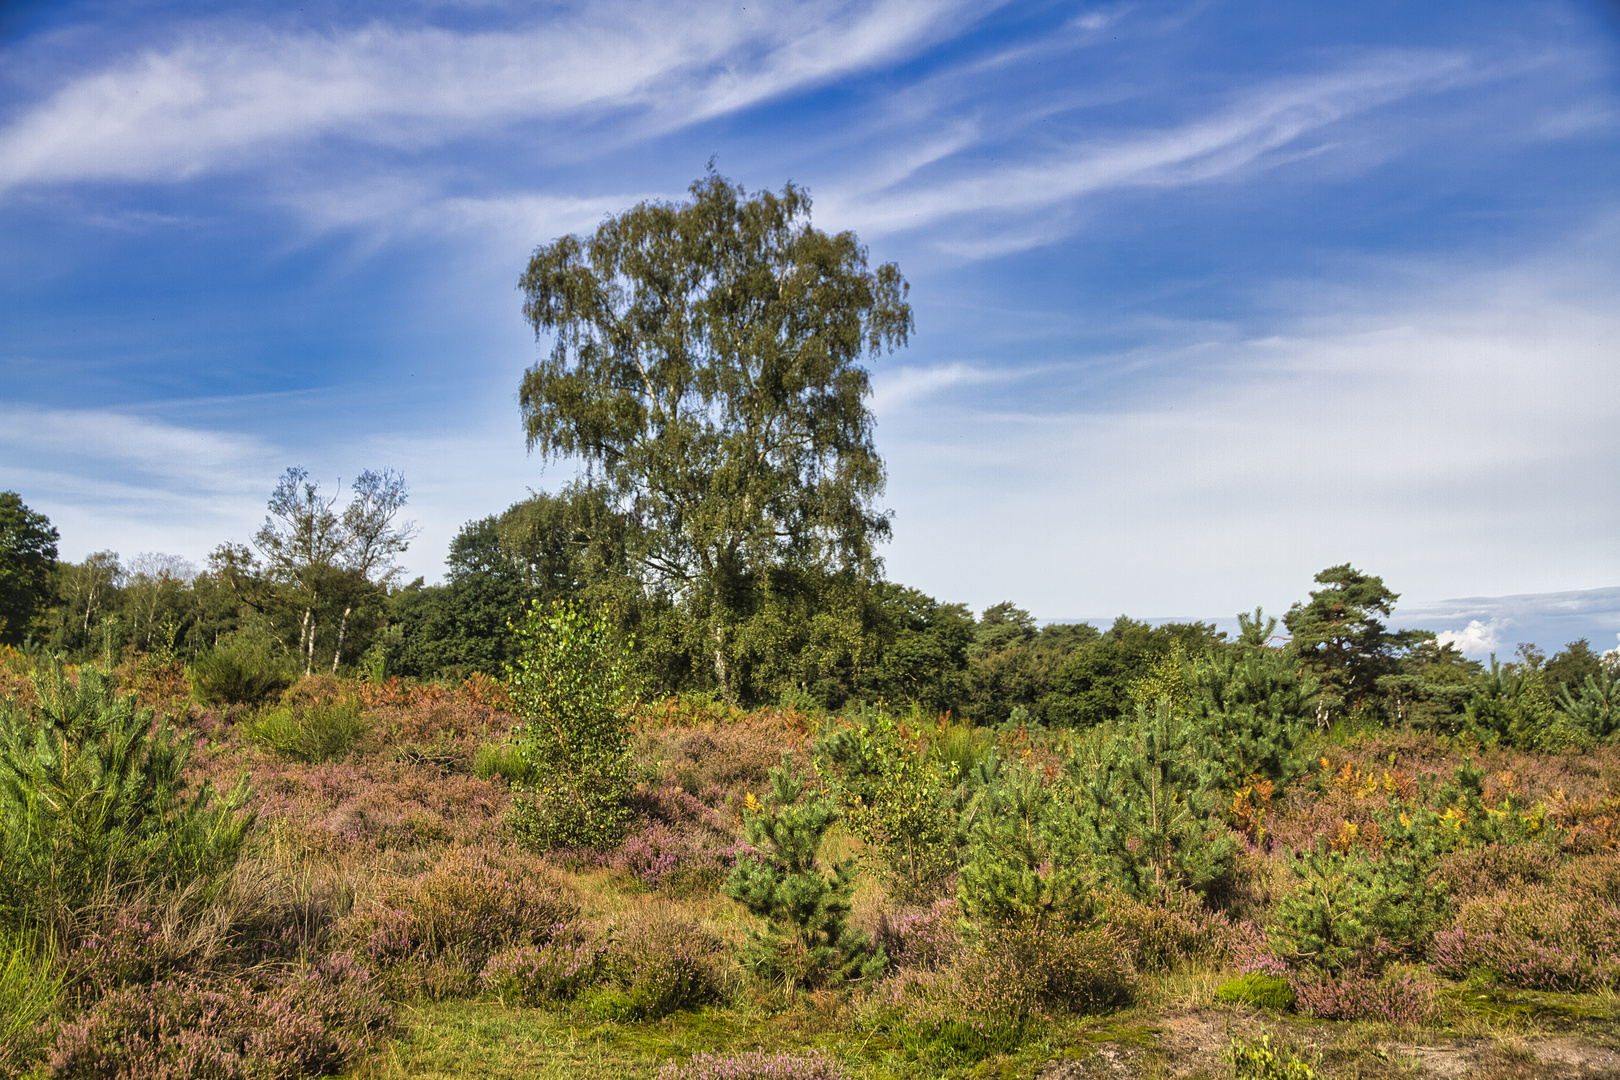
705 367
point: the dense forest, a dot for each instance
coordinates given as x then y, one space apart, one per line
666 779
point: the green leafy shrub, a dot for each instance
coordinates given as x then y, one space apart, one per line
237 673
314 731
93 800
1258 1061
807 939
570 685
894 795
1260 991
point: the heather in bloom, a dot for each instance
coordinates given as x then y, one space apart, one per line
754 1065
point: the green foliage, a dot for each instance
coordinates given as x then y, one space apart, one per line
239 671
1094 684
1256 703
570 684
1594 706
92 800
924 655
27 564
30 989
311 731
1151 813
807 940
1023 864
1260 991
1258 1061
500 759
1353 911
895 797
705 366
1339 634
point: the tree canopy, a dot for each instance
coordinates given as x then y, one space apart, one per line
27 562
705 366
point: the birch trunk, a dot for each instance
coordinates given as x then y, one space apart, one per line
343 628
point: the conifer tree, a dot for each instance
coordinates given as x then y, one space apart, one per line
807 940
1151 815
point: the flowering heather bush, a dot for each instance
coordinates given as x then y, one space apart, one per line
1067 970
311 1021
755 1065
434 933
681 845
734 759
355 807
534 975
659 966
1175 929
1537 937
1399 999
1477 871
928 939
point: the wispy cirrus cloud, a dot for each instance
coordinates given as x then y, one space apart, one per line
1264 125
222 98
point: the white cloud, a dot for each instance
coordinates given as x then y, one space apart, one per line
906 386
1266 126
225 98
1451 438
1477 638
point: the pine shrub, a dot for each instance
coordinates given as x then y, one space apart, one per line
807 940
93 799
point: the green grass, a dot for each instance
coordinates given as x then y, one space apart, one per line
485 1039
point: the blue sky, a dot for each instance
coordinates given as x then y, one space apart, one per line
1209 295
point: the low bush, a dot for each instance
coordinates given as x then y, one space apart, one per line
310 1021
441 928
237 674
532 975
1401 999
754 1065
1260 991
1539 937
660 966
311 732
1475 871
998 991
1258 1061
928 939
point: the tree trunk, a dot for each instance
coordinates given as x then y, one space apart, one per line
722 668
306 640
343 628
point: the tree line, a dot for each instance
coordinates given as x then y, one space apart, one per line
706 369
